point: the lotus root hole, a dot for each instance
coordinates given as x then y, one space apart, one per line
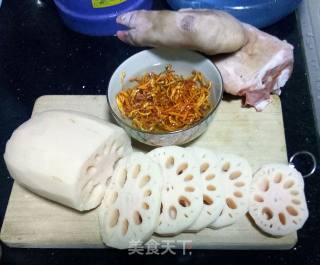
188 178
122 178
147 193
137 218
211 188
288 184
125 226
182 168
238 194
136 171
144 180
258 198
235 175
184 202
113 197
210 177
145 206
277 178
294 192
282 218
231 203
239 184
91 170
296 202
204 167
264 185
189 189
267 213
226 167
292 211
173 212
170 162
207 200
114 218
161 208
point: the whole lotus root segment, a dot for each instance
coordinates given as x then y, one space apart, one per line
277 201
130 209
237 175
181 200
66 156
207 31
213 188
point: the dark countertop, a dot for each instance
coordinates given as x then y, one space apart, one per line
39 56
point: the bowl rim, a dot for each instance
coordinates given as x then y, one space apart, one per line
124 124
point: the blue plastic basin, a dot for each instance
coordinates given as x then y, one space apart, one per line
83 17
260 13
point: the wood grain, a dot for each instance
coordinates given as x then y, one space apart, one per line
32 221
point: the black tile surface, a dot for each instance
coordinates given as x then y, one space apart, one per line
39 56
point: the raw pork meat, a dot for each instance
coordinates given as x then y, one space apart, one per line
210 32
260 68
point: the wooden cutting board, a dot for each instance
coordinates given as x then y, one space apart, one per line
32 221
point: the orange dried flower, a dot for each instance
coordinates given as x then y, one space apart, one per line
166 101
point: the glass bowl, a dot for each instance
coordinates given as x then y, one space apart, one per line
183 62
